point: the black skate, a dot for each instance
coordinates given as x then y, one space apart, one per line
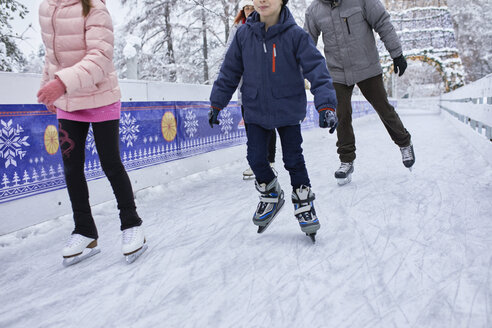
303 198
344 173
271 201
408 156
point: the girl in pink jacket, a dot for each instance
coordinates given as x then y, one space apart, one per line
80 85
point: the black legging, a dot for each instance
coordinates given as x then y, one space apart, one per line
272 141
72 136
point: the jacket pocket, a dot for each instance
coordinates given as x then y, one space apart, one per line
354 21
249 92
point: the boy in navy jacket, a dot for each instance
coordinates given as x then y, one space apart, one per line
274 55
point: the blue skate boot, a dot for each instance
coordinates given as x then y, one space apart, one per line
303 198
271 201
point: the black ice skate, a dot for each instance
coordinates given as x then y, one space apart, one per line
408 156
344 173
271 201
303 198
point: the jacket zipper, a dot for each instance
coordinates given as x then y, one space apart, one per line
54 31
274 54
348 27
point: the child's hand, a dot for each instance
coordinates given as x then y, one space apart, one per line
51 92
51 108
328 119
212 116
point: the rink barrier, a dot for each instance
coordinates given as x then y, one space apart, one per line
151 133
478 126
472 105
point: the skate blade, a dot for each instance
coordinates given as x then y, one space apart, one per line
344 181
262 228
248 177
410 168
79 258
134 256
312 236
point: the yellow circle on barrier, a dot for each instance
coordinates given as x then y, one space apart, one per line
51 139
169 126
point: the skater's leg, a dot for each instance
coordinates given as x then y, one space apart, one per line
257 153
272 146
291 140
72 137
345 131
373 90
106 136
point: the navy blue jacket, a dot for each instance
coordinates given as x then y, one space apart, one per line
273 65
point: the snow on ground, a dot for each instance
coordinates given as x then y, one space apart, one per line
396 248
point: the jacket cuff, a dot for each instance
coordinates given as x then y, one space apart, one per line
322 108
67 78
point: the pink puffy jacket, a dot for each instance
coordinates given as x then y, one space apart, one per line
79 51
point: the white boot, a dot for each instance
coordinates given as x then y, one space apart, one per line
73 252
248 174
76 244
133 243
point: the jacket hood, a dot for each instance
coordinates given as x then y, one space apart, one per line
68 2
286 20
332 3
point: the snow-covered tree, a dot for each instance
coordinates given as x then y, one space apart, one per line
11 57
35 62
473 29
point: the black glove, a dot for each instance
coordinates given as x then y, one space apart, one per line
212 116
400 64
328 119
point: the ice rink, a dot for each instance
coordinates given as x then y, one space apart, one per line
395 249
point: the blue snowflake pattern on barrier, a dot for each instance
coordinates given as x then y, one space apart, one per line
11 143
226 121
90 143
128 129
191 123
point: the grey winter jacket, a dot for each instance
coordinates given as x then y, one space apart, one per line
349 44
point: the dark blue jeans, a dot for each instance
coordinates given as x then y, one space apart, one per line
291 140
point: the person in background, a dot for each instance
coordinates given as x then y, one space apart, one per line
272 55
246 8
352 57
80 85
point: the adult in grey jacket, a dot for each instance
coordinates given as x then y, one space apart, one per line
352 58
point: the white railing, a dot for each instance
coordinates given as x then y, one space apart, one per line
472 105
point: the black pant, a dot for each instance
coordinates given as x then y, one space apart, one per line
272 141
291 140
373 90
72 136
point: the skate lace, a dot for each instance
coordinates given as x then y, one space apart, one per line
344 167
305 216
74 239
261 207
129 235
406 153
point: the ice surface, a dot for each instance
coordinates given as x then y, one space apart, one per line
395 249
